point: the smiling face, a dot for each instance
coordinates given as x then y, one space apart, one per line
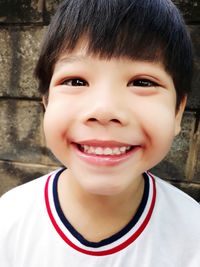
109 120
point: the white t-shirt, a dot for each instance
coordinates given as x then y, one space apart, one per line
165 231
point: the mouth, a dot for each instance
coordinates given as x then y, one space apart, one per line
105 153
104 150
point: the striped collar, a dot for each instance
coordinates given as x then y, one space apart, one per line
116 242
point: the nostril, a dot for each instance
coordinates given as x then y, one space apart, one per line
103 120
115 120
92 119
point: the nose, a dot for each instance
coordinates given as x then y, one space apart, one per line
106 108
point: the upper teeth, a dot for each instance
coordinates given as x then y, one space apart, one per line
105 150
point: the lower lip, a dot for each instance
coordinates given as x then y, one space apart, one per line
102 160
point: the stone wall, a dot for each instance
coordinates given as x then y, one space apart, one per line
23 155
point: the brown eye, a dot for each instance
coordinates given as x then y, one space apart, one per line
142 83
74 82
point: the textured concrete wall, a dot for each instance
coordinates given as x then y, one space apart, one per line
23 155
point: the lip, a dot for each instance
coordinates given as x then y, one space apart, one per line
104 160
103 143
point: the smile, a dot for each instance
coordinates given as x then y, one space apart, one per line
104 151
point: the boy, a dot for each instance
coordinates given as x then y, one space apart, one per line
114 75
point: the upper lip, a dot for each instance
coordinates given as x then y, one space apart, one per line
103 143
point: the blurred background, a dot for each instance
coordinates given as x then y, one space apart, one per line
23 155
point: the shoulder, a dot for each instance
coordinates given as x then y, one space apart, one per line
20 210
18 205
176 220
15 202
177 207
21 192
171 193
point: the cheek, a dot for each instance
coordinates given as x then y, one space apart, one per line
159 127
56 122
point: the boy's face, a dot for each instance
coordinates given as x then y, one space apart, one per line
108 121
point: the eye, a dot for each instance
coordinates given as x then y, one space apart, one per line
142 83
74 82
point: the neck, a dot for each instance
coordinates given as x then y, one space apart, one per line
101 216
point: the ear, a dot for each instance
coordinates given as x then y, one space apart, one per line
179 115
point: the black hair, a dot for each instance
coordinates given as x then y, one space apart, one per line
138 29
